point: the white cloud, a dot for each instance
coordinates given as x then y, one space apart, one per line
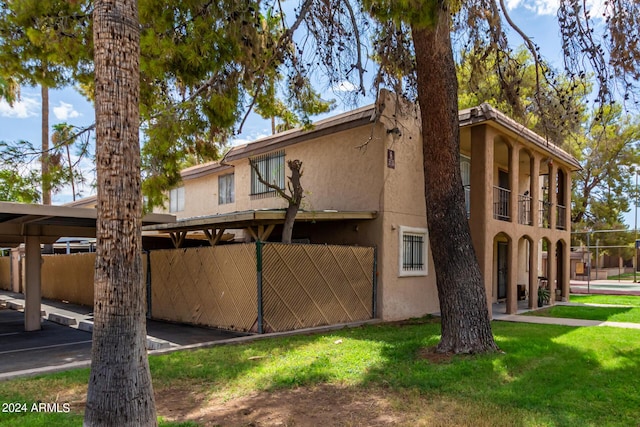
550 7
344 86
22 109
65 111
251 137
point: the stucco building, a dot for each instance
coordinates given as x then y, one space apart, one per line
364 185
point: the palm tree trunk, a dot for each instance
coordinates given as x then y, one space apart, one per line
44 162
466 326
120 392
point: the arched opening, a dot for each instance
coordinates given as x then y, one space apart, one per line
525 278
562 273
501 267
546 254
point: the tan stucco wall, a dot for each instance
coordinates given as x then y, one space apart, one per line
337 176
404 205
5 273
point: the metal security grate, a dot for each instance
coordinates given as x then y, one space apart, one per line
271 168
412 252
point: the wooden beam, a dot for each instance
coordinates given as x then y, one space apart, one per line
178 238
264 235
252 233
213 235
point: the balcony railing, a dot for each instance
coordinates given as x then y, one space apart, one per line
561 221
501 203
545 214
524 209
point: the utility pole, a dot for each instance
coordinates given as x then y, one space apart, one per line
589 263
635 227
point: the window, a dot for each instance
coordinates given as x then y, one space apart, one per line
271 168
226 192
176 199
413 251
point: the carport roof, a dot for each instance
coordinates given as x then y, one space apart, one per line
243 219
18 220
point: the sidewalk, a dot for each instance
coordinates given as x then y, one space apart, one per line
563 321
605 286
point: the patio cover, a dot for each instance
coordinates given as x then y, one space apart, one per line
37 224
258 223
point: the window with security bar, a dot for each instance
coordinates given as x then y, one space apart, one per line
271 169
412 251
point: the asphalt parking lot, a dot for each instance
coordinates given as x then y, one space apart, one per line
53 345
57 346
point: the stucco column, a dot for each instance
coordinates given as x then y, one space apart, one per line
32 289
535 193
533 274
552 267
482 202
512 278
567 203
553 196
16 273
514 173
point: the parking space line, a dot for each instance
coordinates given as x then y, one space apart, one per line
44 347
10 333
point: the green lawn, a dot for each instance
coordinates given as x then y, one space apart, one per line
629 300
547 375
612 314
624 276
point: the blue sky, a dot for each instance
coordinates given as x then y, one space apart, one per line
22 122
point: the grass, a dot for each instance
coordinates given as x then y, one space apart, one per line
612 314
629 300
548 375
624 276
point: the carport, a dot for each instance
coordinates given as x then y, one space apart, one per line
34 225
259 224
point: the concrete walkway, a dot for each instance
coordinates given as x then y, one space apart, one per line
501 316
605 287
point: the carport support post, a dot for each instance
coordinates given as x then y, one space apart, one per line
32 290
259 280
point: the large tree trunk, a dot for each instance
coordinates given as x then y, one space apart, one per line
466 325
120 391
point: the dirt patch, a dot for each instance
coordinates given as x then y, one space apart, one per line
321 405
324 405
430 354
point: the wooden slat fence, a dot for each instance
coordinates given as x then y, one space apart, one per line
212 286
68 277
313 285
302 285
